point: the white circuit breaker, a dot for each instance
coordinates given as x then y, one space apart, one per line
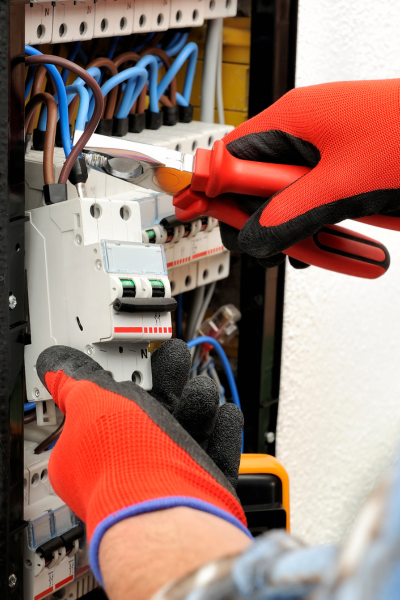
93 285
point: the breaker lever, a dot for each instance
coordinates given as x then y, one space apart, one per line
333 248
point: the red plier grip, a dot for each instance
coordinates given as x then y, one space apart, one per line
333 248
217 172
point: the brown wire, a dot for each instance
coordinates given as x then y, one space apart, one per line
30 417
98 105
37 87
113 94
49 440
132 57
51 126
72 106
126 57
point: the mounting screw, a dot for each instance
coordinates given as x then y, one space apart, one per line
99 265
78 239
269 437
36 393
89 350
12 580
12 301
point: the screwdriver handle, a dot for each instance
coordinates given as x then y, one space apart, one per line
217 172
333 248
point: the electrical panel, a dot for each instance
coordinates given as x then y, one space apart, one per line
104 269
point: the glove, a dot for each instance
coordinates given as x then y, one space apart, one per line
349 133
123 452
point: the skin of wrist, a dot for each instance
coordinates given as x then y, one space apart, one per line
141 554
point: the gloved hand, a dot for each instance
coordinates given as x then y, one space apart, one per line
349 133
123 453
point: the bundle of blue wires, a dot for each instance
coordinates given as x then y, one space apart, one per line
84 98
190 53
62 99
137 77
135 86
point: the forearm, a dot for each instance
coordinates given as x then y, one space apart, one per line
141 554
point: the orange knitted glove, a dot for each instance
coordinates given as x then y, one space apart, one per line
349 133
122 453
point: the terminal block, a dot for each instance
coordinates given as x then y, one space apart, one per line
93 285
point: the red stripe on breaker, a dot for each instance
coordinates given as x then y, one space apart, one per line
169 329
165 330
128 329
199 255
145 330
64 581
170 264
43 594
150 330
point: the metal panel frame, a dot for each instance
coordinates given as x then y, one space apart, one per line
272 68
12 280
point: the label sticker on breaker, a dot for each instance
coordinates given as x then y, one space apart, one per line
199 246
43 584
64 573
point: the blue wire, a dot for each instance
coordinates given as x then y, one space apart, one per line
134 87
205 339
83 109
146 40
52 444
190 51
133 73
95 73
29 406
113 47
29 80
176 46
71 91
71 56
179 317
82 56
65 136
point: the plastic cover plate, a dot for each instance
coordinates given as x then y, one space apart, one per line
133 257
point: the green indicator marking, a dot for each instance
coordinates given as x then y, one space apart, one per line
151 233
127 283
156 283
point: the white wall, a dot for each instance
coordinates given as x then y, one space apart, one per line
339 412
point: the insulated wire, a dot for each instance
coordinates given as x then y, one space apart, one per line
113 46
34 57
176 46
203 309
205 339
71 57
132 92
29 406
29 81
220 97
99 105
190 53
137 75
49 440
211 49
51 126
72 91
30 417
167 62
194 311
112 98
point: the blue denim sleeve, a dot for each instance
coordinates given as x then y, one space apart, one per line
279 567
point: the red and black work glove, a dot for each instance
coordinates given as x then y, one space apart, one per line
348 133
124 452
